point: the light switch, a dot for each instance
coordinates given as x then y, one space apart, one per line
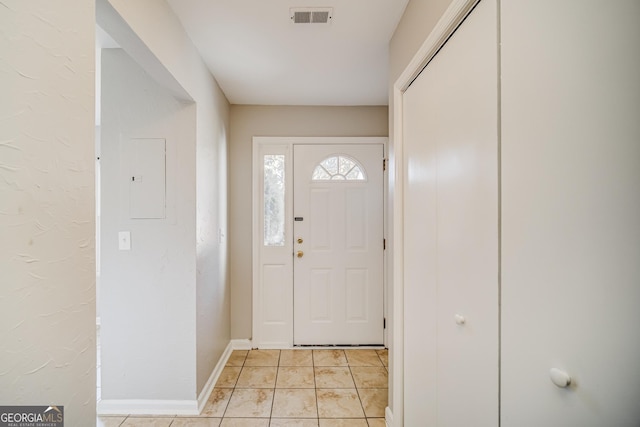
124 240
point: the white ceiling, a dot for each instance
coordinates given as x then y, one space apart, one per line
259 57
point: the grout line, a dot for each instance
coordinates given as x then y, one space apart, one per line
315 387
275 384
233 390
357 389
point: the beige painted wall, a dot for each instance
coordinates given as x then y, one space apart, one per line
47 215
415 26
249 121
162 47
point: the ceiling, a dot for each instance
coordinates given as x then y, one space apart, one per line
259 56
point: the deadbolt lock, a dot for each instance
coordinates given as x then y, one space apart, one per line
300 240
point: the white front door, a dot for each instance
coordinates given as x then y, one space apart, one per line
338 244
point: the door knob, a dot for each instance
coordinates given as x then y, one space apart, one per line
299 254
560 378
460 320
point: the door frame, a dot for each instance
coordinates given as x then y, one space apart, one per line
282 335
448 23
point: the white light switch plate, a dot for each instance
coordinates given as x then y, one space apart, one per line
124 240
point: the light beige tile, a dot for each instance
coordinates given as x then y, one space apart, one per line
294 403
370 377
293 422
353 422
384 356
217 402
363 358
245 422
196 422
109 421
296 358
262 358
257 377
228 377
237 358
147 422
329 358
374 401
295 377
247 402
333 377
339 403
374 422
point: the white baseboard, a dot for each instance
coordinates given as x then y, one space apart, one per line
173 407
388 417
147 407
274 346
241 345
213 378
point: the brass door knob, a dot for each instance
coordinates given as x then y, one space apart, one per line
299 254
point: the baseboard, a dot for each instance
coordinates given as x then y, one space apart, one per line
241 344
213 378
388 417
173 407
274 346
147 407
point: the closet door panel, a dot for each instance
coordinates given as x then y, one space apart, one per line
451 231
570 212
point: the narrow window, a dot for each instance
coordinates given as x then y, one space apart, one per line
274 195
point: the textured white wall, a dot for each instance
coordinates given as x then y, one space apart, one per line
147 293
248 121
47 268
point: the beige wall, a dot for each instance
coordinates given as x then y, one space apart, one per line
163 49
416 24
159 270
249 121
47 208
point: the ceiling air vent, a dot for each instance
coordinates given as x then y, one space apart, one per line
309 15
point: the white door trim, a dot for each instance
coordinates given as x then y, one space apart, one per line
261 144
448 23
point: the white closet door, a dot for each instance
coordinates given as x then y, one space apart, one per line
571 212
451 231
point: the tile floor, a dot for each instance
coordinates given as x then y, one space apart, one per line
287 388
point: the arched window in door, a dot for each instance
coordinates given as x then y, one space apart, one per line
338 168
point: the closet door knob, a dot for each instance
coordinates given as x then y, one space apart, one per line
460 320
560 378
